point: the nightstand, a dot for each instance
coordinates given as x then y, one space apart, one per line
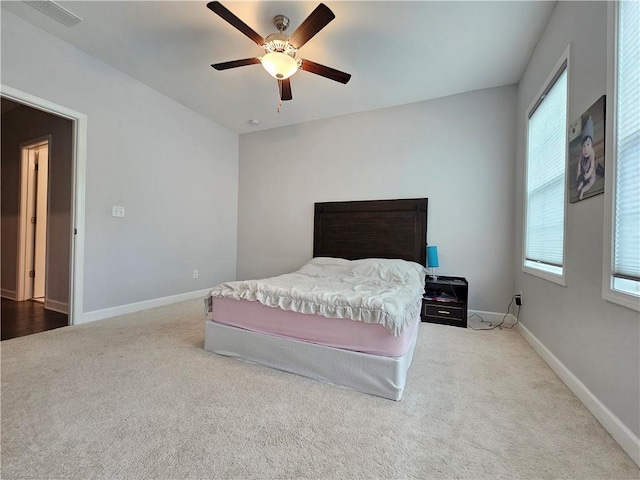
445 301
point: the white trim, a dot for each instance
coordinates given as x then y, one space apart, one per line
79 155
77 246
145 305
10 294
629 442
552 277
59 307
608 293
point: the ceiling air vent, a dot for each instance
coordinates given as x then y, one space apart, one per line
56 12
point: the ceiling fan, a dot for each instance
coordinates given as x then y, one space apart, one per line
280 49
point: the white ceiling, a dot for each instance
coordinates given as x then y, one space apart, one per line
397 52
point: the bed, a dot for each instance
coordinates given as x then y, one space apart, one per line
381 240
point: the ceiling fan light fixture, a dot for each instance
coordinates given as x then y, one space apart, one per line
279 65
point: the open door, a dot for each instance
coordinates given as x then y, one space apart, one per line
42 215
32 243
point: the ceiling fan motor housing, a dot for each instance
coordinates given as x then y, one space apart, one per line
281 22
279 42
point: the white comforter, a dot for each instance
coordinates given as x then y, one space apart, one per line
387 292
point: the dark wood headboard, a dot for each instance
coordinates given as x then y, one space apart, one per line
372 229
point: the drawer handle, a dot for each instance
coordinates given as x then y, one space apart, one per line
444 312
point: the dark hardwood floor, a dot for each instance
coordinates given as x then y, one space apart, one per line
24 318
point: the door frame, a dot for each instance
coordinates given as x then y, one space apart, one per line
23 226
78 190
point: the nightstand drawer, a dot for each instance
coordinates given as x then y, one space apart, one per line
443 311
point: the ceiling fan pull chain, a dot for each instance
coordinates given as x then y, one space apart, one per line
279 105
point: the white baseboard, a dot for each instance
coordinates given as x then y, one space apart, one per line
10 294
138 306
60 307
629 442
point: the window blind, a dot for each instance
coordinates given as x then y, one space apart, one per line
627 199
546 157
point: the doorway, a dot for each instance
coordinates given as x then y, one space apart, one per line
46 226
34 190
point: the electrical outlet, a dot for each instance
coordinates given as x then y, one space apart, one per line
195 274
117 211
518 298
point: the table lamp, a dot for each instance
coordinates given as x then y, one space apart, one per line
432 260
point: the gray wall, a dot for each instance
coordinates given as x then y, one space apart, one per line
458 151
599 342
175 171
21 125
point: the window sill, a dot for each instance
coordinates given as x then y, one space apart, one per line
620 298
545 274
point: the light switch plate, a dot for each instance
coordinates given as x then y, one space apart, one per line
117 211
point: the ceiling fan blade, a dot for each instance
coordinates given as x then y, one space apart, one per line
235 63
316 21
218 8
284 86
328 72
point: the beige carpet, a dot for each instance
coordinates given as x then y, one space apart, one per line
138 397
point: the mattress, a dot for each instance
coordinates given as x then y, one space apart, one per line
340 333
371 290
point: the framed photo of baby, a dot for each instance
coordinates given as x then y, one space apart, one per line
586 153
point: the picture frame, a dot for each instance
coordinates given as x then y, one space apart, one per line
587 153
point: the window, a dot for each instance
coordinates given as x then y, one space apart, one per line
622 250
545 179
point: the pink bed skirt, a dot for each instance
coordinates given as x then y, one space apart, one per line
332 332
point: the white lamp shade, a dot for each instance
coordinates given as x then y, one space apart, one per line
279 65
